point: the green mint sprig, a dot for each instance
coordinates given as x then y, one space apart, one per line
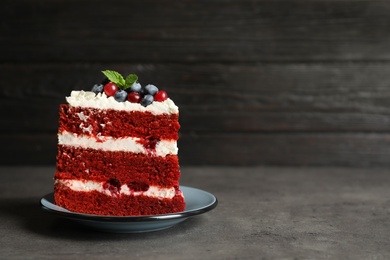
119 80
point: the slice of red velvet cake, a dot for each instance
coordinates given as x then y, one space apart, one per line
117 150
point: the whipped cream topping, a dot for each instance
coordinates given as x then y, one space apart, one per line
88 186
107 143
101 101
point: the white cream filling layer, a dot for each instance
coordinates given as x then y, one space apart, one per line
128 144
101 101
86 186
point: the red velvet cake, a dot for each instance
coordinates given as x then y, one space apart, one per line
117 150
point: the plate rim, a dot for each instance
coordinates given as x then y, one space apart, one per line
103 218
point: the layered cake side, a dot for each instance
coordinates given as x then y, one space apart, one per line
118 158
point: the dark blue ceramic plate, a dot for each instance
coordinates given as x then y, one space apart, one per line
197 202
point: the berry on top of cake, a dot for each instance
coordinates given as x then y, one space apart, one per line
117 150
128 89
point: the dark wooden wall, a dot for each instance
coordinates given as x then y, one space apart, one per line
257 82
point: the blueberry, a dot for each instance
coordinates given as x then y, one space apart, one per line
97 88
120 95
147 100
143 92
151 89
136 87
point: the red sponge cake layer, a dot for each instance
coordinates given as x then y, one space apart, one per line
116 124
126 167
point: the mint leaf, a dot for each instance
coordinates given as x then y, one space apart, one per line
118 79
115 77
130 80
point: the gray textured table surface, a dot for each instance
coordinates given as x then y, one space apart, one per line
263 213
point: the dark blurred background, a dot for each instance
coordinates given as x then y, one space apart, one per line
257 82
